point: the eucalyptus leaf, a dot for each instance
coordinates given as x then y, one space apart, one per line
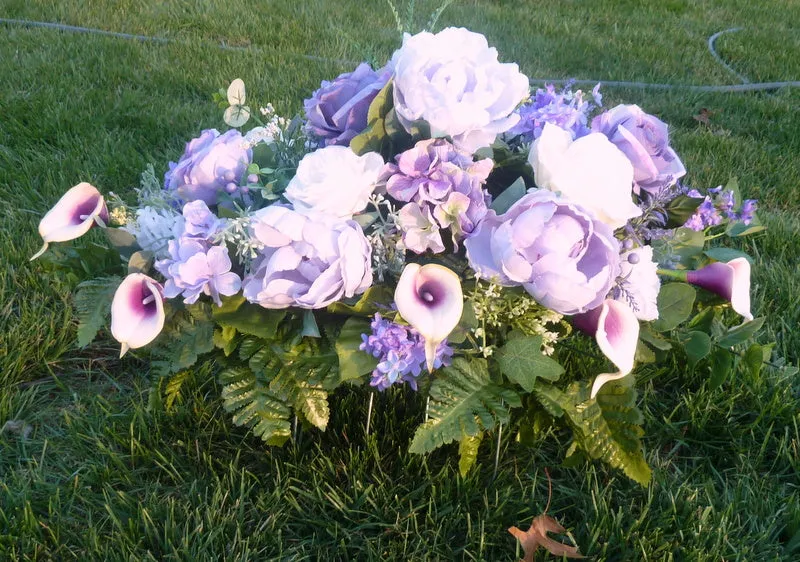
753 359
353 362
511 195
721 366
123 241
675 303
742 333
697 346
727 254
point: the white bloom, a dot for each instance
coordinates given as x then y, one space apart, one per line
454 81
154 228
334 180
640 283
590 171
258 135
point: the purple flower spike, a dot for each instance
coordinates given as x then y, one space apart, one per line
616 330
730 280
429 297
137 312
75 213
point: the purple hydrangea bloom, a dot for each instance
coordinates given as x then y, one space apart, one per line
209 163
401 351
644 139
337 111
308 261
199 221
567 109
556 250
443 187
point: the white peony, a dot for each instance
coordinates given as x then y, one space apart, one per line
154 228
454 81
639 282
590 171
334 180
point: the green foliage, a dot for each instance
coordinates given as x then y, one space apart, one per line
726 254
248 318
521 360
741 334
93 306
697 346
722 362
353 363
463 402
373 300
172 390
248 398
607 427
675 303
509 196
468 452
188 334
681 209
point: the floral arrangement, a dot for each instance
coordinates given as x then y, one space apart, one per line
434 223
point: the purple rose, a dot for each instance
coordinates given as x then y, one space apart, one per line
337 111
557 251
209 163
309 261
444 188
644 139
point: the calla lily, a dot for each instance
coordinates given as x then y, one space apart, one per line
429 297
616 329
137 312
73 215
730 280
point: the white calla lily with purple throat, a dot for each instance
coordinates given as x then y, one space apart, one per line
616 330
137 312
76 212
429 297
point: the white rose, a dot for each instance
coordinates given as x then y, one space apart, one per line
454 81
590 171
640 283
334 180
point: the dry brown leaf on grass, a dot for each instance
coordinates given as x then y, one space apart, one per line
704 116
536 536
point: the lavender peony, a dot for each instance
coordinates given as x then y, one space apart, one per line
209 163
557 251
337 111
454 81
644 139
309 261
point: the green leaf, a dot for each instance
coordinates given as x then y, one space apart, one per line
354 363
313 402
310 328
742 333
468 453
704 320
248 318
463 402
753 359
647 335
522 361
254 406
225 339
124 242
688 243
675 303
93 306
172 392
465 325
680 210
374 299
644 354
726 254
188 335
721 365
607 427
509 196
697 346
140 262
740 229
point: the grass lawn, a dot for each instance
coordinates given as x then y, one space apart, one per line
106 473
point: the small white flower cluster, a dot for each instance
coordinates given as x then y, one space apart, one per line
271 132
236 232
386 239
496 309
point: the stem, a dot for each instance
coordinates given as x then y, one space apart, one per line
678 274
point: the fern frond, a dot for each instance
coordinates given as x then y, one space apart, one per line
253 405
463 402
93 306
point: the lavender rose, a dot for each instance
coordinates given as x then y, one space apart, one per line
557 251
209 163
454 81
309 261
644 139
337 111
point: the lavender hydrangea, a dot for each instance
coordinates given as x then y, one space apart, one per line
195 265
567 109
718 207
443 188
401 353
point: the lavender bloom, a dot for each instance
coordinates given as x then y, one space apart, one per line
718 207
194 268
401 351
337 111
748 210
209 163
444 189
645 141
567 110
558 252
308 261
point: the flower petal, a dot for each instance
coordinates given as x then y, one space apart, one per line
137 312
